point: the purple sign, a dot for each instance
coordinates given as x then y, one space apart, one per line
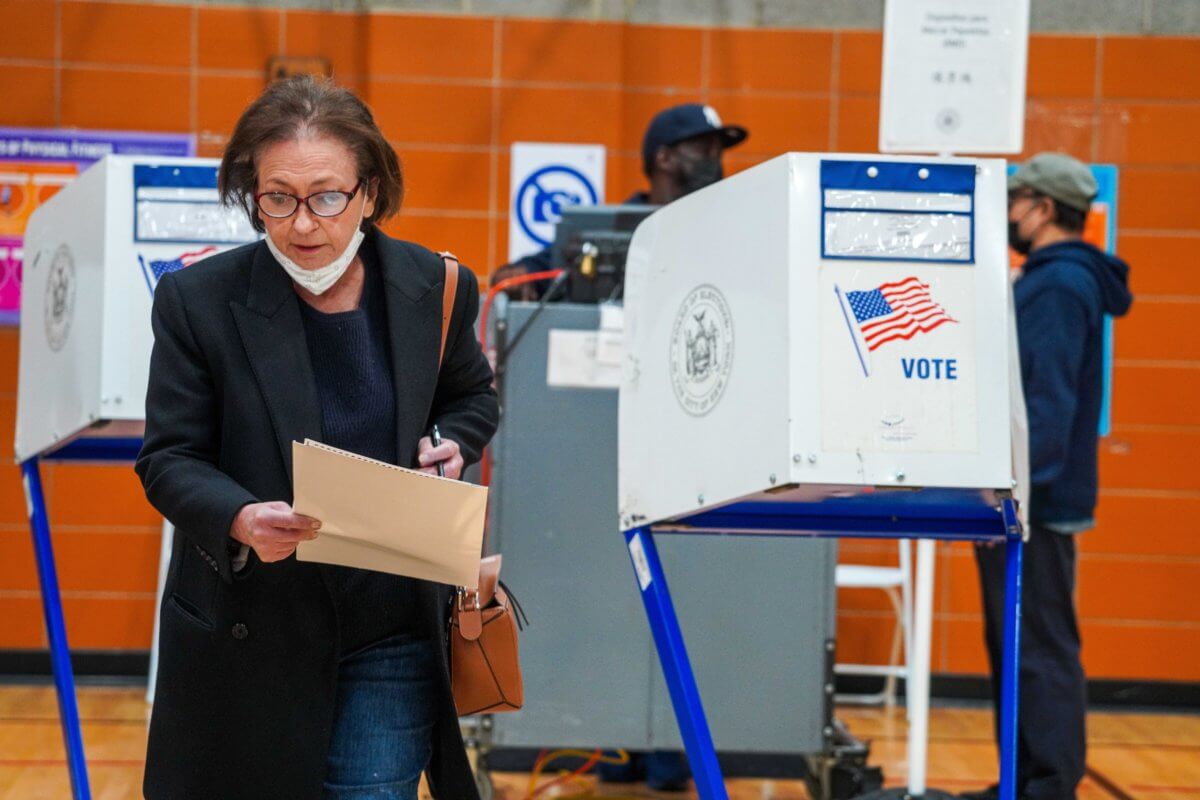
86 147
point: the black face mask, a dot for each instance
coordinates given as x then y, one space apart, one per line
700 172
1021 246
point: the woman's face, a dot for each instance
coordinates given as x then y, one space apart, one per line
303 167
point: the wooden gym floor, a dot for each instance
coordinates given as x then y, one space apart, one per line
1131 755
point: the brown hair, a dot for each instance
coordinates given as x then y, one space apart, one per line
302 105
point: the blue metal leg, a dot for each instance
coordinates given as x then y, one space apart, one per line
60 655
1010 676
677 669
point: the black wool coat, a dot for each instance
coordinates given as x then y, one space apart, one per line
247 671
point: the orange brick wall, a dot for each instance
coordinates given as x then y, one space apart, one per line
453 92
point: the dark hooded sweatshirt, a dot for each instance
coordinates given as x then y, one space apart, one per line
1064 293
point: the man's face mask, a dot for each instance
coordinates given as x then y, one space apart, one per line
1020 244
698 172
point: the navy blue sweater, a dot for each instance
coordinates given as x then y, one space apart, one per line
1061 299
351 362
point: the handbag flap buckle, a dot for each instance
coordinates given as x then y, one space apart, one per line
469 614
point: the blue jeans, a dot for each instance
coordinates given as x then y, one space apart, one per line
383 721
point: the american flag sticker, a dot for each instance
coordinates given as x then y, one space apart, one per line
891 312
156 268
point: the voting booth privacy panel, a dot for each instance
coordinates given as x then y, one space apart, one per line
815 326
93 256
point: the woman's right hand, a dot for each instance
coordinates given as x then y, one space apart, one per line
272 529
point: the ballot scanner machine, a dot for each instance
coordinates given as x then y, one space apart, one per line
821 344
93 256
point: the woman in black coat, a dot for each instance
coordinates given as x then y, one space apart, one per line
279 678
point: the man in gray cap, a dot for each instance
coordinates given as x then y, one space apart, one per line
1065 290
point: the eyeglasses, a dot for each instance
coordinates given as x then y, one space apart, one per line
281 205
1022 195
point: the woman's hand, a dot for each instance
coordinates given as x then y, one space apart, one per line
447 452
272 529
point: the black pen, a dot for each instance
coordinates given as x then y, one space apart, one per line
435 436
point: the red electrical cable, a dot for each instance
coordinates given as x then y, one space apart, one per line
500 286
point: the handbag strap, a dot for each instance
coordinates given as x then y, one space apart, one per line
466 609
449 291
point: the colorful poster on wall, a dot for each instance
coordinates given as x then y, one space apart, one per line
35 163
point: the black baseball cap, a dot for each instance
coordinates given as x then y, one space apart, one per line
677 123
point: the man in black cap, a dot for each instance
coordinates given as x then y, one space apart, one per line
681 152
1066 288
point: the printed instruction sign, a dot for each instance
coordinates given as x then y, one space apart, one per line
954 76
545 179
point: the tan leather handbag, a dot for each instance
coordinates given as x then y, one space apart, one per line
485 666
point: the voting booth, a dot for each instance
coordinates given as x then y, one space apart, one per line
820 345
93 256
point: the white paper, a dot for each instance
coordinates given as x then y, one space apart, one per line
640 565
896 235
573 362
612 317
610 339
190 221
897 201
954 76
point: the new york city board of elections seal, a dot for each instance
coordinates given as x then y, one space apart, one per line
60 298
701 350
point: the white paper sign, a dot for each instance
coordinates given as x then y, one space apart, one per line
544 179
954 76
610 338
640 565
573 364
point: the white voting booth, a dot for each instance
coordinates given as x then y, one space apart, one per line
820 344
93 256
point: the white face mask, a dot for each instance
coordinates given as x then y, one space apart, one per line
320 279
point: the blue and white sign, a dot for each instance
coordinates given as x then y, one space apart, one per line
545 179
